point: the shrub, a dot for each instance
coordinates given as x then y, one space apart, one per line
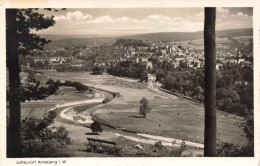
50 81
98 70
96 127
144 107
158 145
68 83
116 94
228 150
106 100
238 108
37 135
80 87
178 151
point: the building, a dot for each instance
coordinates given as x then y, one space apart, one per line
149 65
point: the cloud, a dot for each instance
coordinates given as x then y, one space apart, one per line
158 17
84 23
222 11
77 16
102 19
242 15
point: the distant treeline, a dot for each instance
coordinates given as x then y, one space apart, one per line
78 85
67 68
128 69
131 42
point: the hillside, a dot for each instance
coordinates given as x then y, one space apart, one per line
65 41
54 37
56 44
184 36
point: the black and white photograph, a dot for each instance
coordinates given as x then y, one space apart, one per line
118 82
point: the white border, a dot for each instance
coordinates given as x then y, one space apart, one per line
132 4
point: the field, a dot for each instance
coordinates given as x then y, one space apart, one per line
38 108
175 118
198 44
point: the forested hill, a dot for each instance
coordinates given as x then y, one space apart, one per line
183 36
56 44
60 41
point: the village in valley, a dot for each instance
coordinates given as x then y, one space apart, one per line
174 53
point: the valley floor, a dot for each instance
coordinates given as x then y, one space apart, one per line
171 117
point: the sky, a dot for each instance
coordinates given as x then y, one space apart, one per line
127 21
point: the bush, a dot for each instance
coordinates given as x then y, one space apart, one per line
227 150
96 127
178 151
106 100
238 108
37 135
144 107
224 104
116 94
50 81
68 83
98 70
80 87
231 150
158 145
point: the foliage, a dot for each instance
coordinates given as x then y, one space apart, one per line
116 94
178 151
31 76
98 70
228 150
28 19
96 127
131 42
238 108
66 68
21 41
37 91
144 107
128 69
80 87
106 100
38 135
248 126
158 145
231 150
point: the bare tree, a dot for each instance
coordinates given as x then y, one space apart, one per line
210 82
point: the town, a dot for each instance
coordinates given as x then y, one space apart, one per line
170 52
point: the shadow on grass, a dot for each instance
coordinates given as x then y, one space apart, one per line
81 150
136 116
91 134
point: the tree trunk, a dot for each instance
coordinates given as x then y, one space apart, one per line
14 115
210 82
